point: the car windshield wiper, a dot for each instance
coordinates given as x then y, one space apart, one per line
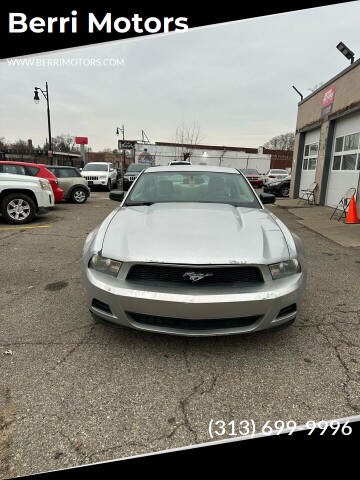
137 204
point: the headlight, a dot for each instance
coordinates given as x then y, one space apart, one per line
284 269
105 265
45 185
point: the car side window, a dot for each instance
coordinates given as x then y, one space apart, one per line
10 168
32 171
66 173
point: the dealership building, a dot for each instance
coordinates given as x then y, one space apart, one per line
327 141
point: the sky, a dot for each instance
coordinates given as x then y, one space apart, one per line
232 80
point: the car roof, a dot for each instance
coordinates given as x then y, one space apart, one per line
191 168
59 166
26 164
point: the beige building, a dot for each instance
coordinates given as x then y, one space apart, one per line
327 142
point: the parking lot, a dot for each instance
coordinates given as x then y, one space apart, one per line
74 392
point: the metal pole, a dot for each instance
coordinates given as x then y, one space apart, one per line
124 153
48 115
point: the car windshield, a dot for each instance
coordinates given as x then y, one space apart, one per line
204 187
135 167
249 171
96 167
279 172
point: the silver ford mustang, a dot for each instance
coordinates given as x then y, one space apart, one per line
192 251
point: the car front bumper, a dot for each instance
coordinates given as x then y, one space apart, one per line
193 314
101 182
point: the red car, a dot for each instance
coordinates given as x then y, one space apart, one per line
253 176
34 170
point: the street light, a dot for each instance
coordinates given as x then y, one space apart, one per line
37 100
346 51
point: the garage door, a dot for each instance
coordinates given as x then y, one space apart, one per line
345 161
310 156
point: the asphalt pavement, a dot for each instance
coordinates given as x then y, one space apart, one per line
74 392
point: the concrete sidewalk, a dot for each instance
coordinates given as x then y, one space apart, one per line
317 218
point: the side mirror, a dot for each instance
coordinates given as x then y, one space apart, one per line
267 198
117 195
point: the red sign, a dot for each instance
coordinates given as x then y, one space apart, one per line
328 100
81 140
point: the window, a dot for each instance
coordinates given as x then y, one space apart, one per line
310 156
96 167
351 142
312 164
337 162
194 186
349 162
33 171
11 168
339 144
135 167
347 152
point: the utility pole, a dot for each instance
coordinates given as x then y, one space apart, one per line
37 100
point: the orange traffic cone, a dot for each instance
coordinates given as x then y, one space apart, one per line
352 216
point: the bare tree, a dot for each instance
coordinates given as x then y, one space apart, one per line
63 143
284 141
19 145
186 137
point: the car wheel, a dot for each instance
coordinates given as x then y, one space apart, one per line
285 191
108 188
78 195
18 208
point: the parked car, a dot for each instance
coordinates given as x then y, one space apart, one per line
34 170
70 180
190 257
180 162
280 188
100 174
253 176
273 174
23 197
131 174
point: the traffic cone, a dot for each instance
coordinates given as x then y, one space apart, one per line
352 216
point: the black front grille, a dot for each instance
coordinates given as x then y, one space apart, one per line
187 275
188 324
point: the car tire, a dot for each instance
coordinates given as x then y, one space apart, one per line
108 187
285 191
78 195
26 210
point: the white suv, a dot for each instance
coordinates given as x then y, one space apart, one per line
23 197
100 174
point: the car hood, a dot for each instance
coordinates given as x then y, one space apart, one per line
194 233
